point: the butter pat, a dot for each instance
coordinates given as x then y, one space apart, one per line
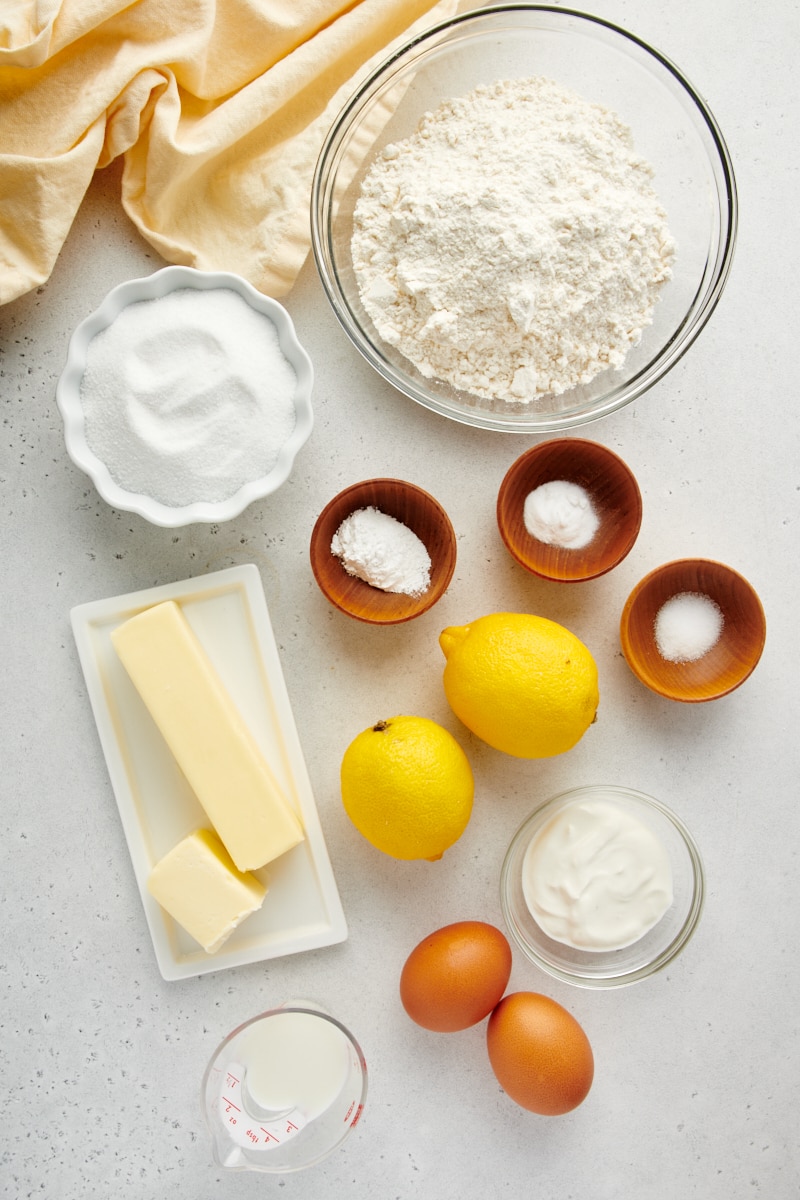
198 884
212 744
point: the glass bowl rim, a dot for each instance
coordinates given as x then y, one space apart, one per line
677 943
616 397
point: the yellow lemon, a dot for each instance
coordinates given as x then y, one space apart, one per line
407 786
523 684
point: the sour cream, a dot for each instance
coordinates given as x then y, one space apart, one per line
595 877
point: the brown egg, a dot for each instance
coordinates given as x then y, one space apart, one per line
455 976
539 1053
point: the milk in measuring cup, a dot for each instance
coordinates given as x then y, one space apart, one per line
283 1090
294 1062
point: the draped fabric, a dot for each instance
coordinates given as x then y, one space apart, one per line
218 107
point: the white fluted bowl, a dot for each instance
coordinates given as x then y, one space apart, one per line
68 396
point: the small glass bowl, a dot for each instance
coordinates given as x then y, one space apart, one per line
68 397
653 951
672 129
612 489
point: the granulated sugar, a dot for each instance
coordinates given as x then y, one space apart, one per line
514 246
188 396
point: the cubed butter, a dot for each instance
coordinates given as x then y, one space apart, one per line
198 884
213 746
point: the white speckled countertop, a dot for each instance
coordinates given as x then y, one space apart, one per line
696 1093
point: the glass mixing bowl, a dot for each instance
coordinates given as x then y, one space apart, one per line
672 129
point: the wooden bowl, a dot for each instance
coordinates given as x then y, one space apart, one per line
416 509
612 489
727 664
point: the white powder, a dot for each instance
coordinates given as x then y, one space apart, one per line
560 513
188 397
687 626
383 552
513 246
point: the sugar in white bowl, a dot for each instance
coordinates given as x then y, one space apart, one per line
186 396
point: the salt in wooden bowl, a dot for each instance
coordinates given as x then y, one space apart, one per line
611 487
414 508
722 668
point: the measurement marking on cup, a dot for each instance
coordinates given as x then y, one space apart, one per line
292 1072
257 1136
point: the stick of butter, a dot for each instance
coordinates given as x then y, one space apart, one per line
211 743
199 885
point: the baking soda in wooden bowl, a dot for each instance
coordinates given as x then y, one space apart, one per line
569 509
560 513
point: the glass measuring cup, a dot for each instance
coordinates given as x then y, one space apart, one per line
283 1090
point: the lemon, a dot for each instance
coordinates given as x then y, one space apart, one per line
522 683
407 786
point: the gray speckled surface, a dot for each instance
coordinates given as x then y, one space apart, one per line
696 1089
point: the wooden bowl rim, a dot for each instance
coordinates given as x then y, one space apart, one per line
687 692
560 565
357 598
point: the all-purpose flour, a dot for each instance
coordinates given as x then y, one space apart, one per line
514 245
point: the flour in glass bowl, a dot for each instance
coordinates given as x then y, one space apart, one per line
513 246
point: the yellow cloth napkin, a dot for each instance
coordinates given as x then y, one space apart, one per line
220 108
